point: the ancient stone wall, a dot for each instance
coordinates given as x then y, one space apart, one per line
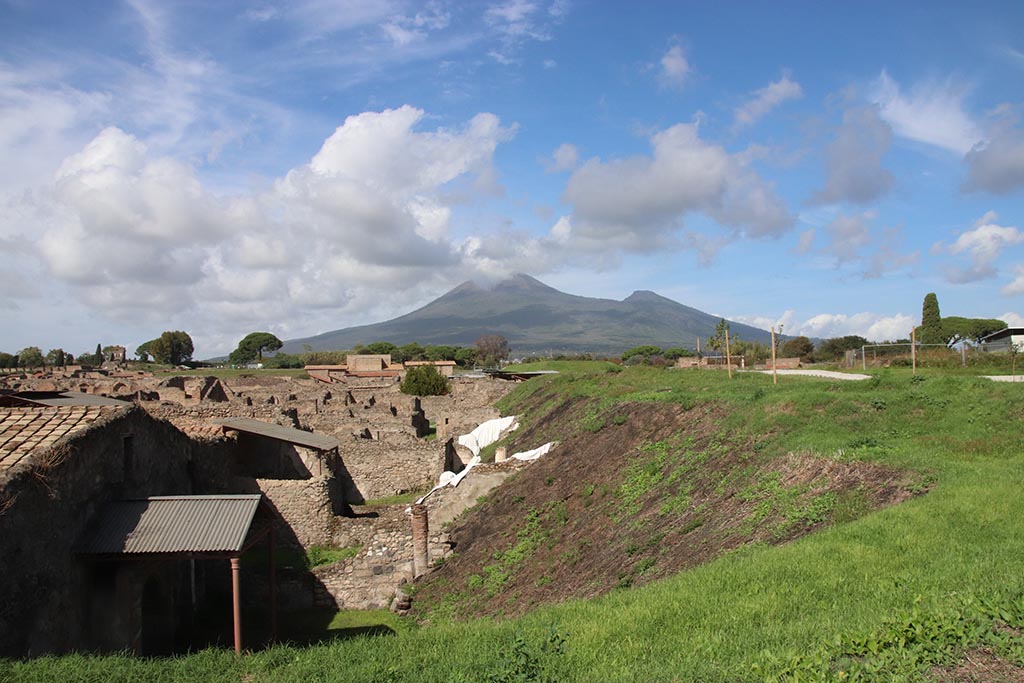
306 507
45 513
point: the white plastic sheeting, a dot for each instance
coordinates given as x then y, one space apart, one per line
535 453
487 433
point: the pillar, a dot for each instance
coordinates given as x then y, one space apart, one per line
420 536
500 454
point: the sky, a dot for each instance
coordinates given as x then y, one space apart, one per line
304 166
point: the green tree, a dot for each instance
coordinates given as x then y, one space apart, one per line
491 349
412 351
717 342
56 357
31 357
8 360
956 329
252 347
797 347
424 380
379 348
930 331
643 351
172 348
677 352
465 356
142 351
835 347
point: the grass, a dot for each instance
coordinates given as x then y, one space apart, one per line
894 590
397 499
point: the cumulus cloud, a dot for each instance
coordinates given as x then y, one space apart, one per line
932 113
674 69
854 159
1012 319
138 234
848 235
638 203
871 326
983 244
1015 286
564 158
997 165
766 99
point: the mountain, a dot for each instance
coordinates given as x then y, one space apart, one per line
536 318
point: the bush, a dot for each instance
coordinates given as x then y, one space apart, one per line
424 380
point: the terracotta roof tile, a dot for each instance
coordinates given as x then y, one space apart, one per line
27 431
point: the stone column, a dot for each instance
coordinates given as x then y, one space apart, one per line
420 537
500 454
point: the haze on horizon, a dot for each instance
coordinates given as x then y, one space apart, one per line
303 167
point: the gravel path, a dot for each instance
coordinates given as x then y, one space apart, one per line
828 374
1005 378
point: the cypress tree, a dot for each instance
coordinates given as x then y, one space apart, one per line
931 321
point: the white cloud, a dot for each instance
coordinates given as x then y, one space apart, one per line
766 99
674 68
1015 286
854 160
564 158
871 326
997 166
933 113
984 243
848 235
638 203
1012 319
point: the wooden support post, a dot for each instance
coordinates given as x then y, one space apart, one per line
775 374
271 540
913 349
728 355
236 602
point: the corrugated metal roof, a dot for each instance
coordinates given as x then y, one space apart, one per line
319 442
173 524
60 398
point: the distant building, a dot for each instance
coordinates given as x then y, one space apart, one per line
1001 340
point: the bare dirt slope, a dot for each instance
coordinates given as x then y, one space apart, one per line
651 489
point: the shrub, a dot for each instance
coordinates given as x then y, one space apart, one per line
424 380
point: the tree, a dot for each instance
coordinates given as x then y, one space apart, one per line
717 342
8 360
424 380
252 347
30 357
644 352
56 357
677 352
143 352
956 329
491 349
379 348
931 322
171 348
465 356
797 347
411 351
837 346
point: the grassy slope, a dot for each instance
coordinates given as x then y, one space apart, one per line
965 537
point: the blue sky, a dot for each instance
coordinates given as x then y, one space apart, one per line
305 166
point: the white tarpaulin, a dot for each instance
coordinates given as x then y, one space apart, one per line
478 439
535 453
487 433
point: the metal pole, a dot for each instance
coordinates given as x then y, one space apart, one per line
236 603
863 359
775 374
963 355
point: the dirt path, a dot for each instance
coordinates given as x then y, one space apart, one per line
828 374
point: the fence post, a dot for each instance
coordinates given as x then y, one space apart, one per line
913 349
863 359
728 356
775 374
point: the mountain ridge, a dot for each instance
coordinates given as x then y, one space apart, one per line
537 318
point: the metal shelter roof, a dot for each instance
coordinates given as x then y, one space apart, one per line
59 398
318 442
173 524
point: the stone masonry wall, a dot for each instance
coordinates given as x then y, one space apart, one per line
305 505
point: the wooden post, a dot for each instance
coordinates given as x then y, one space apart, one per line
775 374
273 583
913 349
728 356
236 603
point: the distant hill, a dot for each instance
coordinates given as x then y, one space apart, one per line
536 318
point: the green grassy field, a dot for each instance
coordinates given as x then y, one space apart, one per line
879 598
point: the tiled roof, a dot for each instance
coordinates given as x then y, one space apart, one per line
173 524
25 431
